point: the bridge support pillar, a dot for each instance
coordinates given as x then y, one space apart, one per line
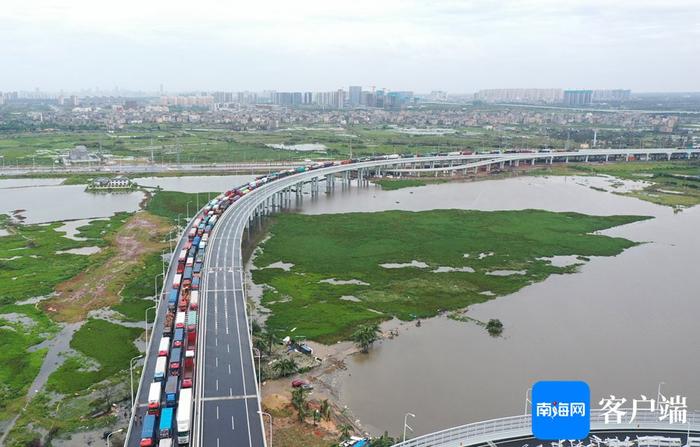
586 158
669 156
488 168
533 162
517 163
566 159
551 160
503 164
607 157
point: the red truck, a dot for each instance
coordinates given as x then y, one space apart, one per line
188 374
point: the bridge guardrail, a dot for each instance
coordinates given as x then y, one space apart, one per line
514 426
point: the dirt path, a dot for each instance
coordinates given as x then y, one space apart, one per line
99 285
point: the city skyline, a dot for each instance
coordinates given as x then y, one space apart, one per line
456 46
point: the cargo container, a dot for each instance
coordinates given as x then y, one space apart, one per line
194 299
159 373
192 232
176 281
180 267
180 320
196 281
197 268
184 413
165 428
148 431
193 251
175 361
154 397
190 262
205 237
164 346
178 338
183 255
188 373
165 443
191 321
171 388
187 274
202 245
172 299
196 240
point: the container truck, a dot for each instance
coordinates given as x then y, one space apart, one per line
165 443
176 281
192 321
178 338
180 267
159 373
175 361
184 412
164 346
154 397
183 256
194 299
188 274
148 431
188 373
192 232
171 387
165 429
180 320
196 282
172 299
202 245
190 262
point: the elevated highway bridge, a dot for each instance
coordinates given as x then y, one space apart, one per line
226 410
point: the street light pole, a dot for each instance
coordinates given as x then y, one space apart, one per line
257 354
131 376
527 401
405 424
155 286
658 392
146 318
262 413
116 431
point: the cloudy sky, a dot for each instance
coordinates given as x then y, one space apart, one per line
420 45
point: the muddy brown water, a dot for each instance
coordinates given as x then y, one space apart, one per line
623 323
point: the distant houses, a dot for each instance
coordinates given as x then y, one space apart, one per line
118 182
79 155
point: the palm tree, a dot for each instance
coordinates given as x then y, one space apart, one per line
365 336
299 402
286 367
326 409
345 430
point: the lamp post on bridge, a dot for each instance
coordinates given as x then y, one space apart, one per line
131 376
405 424
109 435
262 413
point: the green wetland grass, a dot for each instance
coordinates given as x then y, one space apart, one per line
353 246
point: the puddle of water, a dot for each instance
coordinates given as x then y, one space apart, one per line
448 269
85 251
286 266
341 282
414 263
506 272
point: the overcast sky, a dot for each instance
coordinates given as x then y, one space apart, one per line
420 45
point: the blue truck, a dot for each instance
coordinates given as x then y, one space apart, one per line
178 338
172 299
148 432
175 361
171 388
187 274
165 430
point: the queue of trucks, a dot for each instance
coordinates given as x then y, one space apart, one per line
168 420
169 415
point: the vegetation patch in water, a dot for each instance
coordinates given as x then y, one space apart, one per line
354 245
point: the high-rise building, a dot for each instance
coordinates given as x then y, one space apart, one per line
614 95
578 97
355 95
520 95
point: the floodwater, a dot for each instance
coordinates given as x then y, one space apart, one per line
623 323
210 183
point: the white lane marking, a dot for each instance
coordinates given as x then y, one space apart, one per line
229 369
217 362
217 384
217 412
233 427
228 348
